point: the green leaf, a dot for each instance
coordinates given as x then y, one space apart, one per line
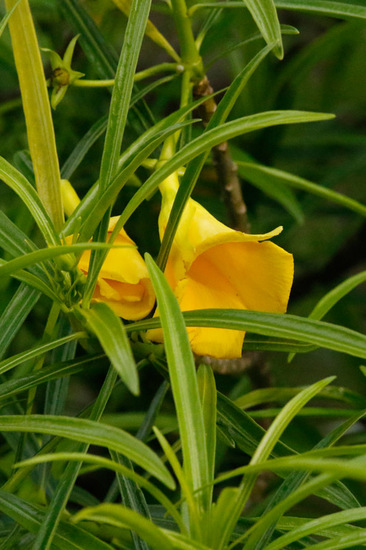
279 394
183 378
15 360
353 469
194 169
341 10
97 208
18 183
333 296
67 537
209 139
80 150
44 254
122 89
349 10
314 486
279 192
221 514
337 494
208 396
15 313
257 172
93 433
34 282
102 462
280 325
265 15
132 497
186 489
6 18
111 333
264 450
119 516
61 494
316 526
53 372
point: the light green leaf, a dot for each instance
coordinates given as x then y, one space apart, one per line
83 146
122 90
119 516
102 462
280 325
343 10
209 139
53 372
6 18
332 297
15 360
329 8
208 396
265 15
278 191
353 469
265 448
34 282
194 168
93 433
184 385
258 172
336 294
111 333
38 256
67 537
318 525
21 186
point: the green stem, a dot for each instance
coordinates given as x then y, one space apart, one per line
146 73
37 110
189 53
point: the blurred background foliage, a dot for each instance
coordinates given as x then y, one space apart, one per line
323 70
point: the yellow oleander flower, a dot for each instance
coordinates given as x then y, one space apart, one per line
123 281
213 266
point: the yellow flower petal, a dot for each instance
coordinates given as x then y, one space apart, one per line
213 266
123 281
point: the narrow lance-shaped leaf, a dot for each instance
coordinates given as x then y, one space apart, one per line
122 89
208 140
6 18
257 173
194 168
264 449
43 254
151 31
315 526
208 396
119 516
111 333
184 384
102 462
93 433
331 8
265 15
19 183
280 325
37 110
333 297
68 536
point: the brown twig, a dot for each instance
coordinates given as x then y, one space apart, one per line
227 170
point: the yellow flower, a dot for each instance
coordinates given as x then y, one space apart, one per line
213 266
123 281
